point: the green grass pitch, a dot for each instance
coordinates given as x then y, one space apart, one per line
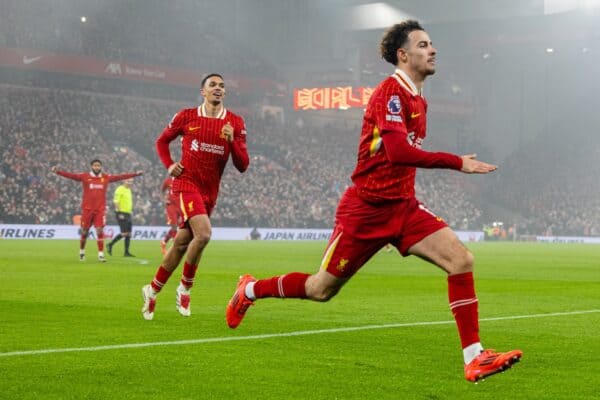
50 300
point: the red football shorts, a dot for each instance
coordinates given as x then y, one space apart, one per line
363 228
172 211
191 204
92 217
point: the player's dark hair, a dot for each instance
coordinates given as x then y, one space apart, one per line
396 37
207 77
95 161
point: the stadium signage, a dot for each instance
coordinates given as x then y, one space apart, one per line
26 233
567 239
21 231
324 98
34 59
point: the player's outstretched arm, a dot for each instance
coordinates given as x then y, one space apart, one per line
473 166
120 177
70 175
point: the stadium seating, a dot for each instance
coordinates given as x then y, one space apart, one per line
295 179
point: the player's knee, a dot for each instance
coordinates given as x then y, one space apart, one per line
182 248
202 238
323 294
180 245
465 262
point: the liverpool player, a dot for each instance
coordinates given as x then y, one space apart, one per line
93 203
210 134
171 211
381 206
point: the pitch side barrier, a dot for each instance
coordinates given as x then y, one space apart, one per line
22 231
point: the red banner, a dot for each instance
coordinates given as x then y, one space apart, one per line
336 97
46 61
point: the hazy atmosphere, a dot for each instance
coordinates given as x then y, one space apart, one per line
515 83
299 199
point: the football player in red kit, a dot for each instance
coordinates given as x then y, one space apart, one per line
172 212
210 134
380 207
93 202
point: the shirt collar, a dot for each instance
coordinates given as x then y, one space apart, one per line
404 80
202 112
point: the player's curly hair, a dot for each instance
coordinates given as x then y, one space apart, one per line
95 160
396 37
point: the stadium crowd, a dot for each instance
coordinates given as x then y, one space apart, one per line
123 31
552 198
297 173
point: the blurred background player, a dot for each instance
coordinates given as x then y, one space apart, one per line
93 203
210 133
381 206
123 202
172 211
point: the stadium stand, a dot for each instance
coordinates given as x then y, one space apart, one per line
297 172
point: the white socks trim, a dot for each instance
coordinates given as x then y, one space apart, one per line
472 351
249 291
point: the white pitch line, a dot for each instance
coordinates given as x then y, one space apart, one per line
278 335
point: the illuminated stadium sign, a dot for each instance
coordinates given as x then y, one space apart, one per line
341 98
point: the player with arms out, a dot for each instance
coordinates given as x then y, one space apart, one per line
172 212
210 134
93 204
380 207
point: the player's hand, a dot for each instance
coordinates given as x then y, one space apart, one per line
53 168
227 132
175 169
473 166
140 172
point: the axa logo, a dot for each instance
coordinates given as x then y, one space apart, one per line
195 146
113 68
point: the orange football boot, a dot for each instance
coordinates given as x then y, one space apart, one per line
489 363
239 303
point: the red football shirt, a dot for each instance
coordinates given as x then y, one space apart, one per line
94 187
395 108
204 149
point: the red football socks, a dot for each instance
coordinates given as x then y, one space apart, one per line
161 277
288 286
187 277
463 303
100 241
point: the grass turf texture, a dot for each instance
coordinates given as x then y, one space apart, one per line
50 300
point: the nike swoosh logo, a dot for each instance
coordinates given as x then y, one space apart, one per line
414 115
193 128
30 60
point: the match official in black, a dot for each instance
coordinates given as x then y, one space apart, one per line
123 201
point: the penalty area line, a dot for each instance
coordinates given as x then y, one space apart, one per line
278 335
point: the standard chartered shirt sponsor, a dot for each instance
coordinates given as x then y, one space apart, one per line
212 148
